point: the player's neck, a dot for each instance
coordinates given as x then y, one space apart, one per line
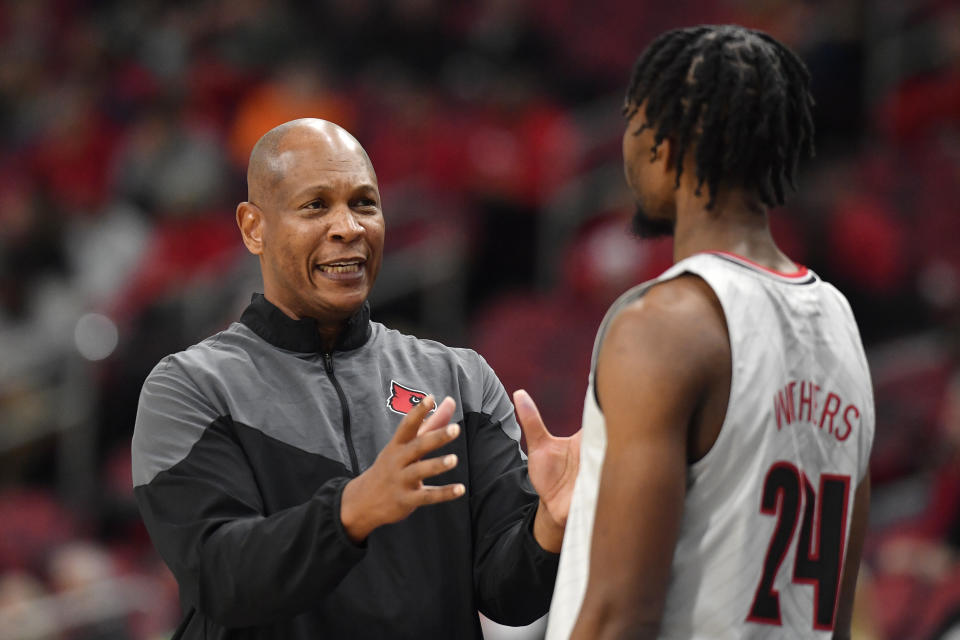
733 225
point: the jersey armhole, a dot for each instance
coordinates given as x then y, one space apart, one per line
627 298
637 293
703 460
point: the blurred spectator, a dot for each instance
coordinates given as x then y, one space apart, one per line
20 618
31 244
418 36
542 343
938 225
867 244
94 607
33 524
71 157
518 147
301 88
255 36
924 102
420 140
168 167
917 564
499 36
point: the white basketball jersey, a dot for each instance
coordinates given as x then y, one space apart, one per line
767 510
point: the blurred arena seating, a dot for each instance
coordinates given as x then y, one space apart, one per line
495 130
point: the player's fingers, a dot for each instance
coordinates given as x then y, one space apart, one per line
429 494
412 421
430 467
440 417
427 442
529 418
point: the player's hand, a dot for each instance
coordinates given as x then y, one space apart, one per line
392 488
552 463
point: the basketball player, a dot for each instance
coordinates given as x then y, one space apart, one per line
723 483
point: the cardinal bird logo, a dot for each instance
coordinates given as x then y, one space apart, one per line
403 399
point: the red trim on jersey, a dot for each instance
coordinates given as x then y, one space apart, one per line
799 273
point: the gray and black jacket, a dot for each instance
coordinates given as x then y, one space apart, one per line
243 444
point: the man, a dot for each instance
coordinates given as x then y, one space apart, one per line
269 466
723 483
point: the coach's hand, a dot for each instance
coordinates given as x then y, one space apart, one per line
552 465
392 488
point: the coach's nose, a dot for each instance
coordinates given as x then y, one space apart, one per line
344 226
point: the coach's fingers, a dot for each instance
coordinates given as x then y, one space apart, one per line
430 467
440 417
411 422
529 418
430 494
427 442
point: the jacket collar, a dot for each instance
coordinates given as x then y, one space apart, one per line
280 330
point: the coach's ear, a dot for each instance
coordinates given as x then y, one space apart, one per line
250 221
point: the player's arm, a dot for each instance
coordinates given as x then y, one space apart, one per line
658 359
851 563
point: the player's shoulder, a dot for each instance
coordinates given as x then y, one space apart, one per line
680 301
678 318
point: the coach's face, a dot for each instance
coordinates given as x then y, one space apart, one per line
319 231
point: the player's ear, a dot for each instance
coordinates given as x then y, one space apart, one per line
250 221
668 149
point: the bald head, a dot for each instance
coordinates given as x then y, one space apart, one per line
276 151
314 220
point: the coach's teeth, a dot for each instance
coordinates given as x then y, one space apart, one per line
351 267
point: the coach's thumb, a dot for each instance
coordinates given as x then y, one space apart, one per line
529 417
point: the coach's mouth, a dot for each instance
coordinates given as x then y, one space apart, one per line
343 269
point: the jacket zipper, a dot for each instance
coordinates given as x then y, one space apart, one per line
328 365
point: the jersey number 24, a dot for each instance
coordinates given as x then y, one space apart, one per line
819 556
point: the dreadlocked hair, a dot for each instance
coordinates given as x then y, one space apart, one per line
739 96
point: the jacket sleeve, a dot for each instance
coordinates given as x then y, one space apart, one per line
201 505
513 575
